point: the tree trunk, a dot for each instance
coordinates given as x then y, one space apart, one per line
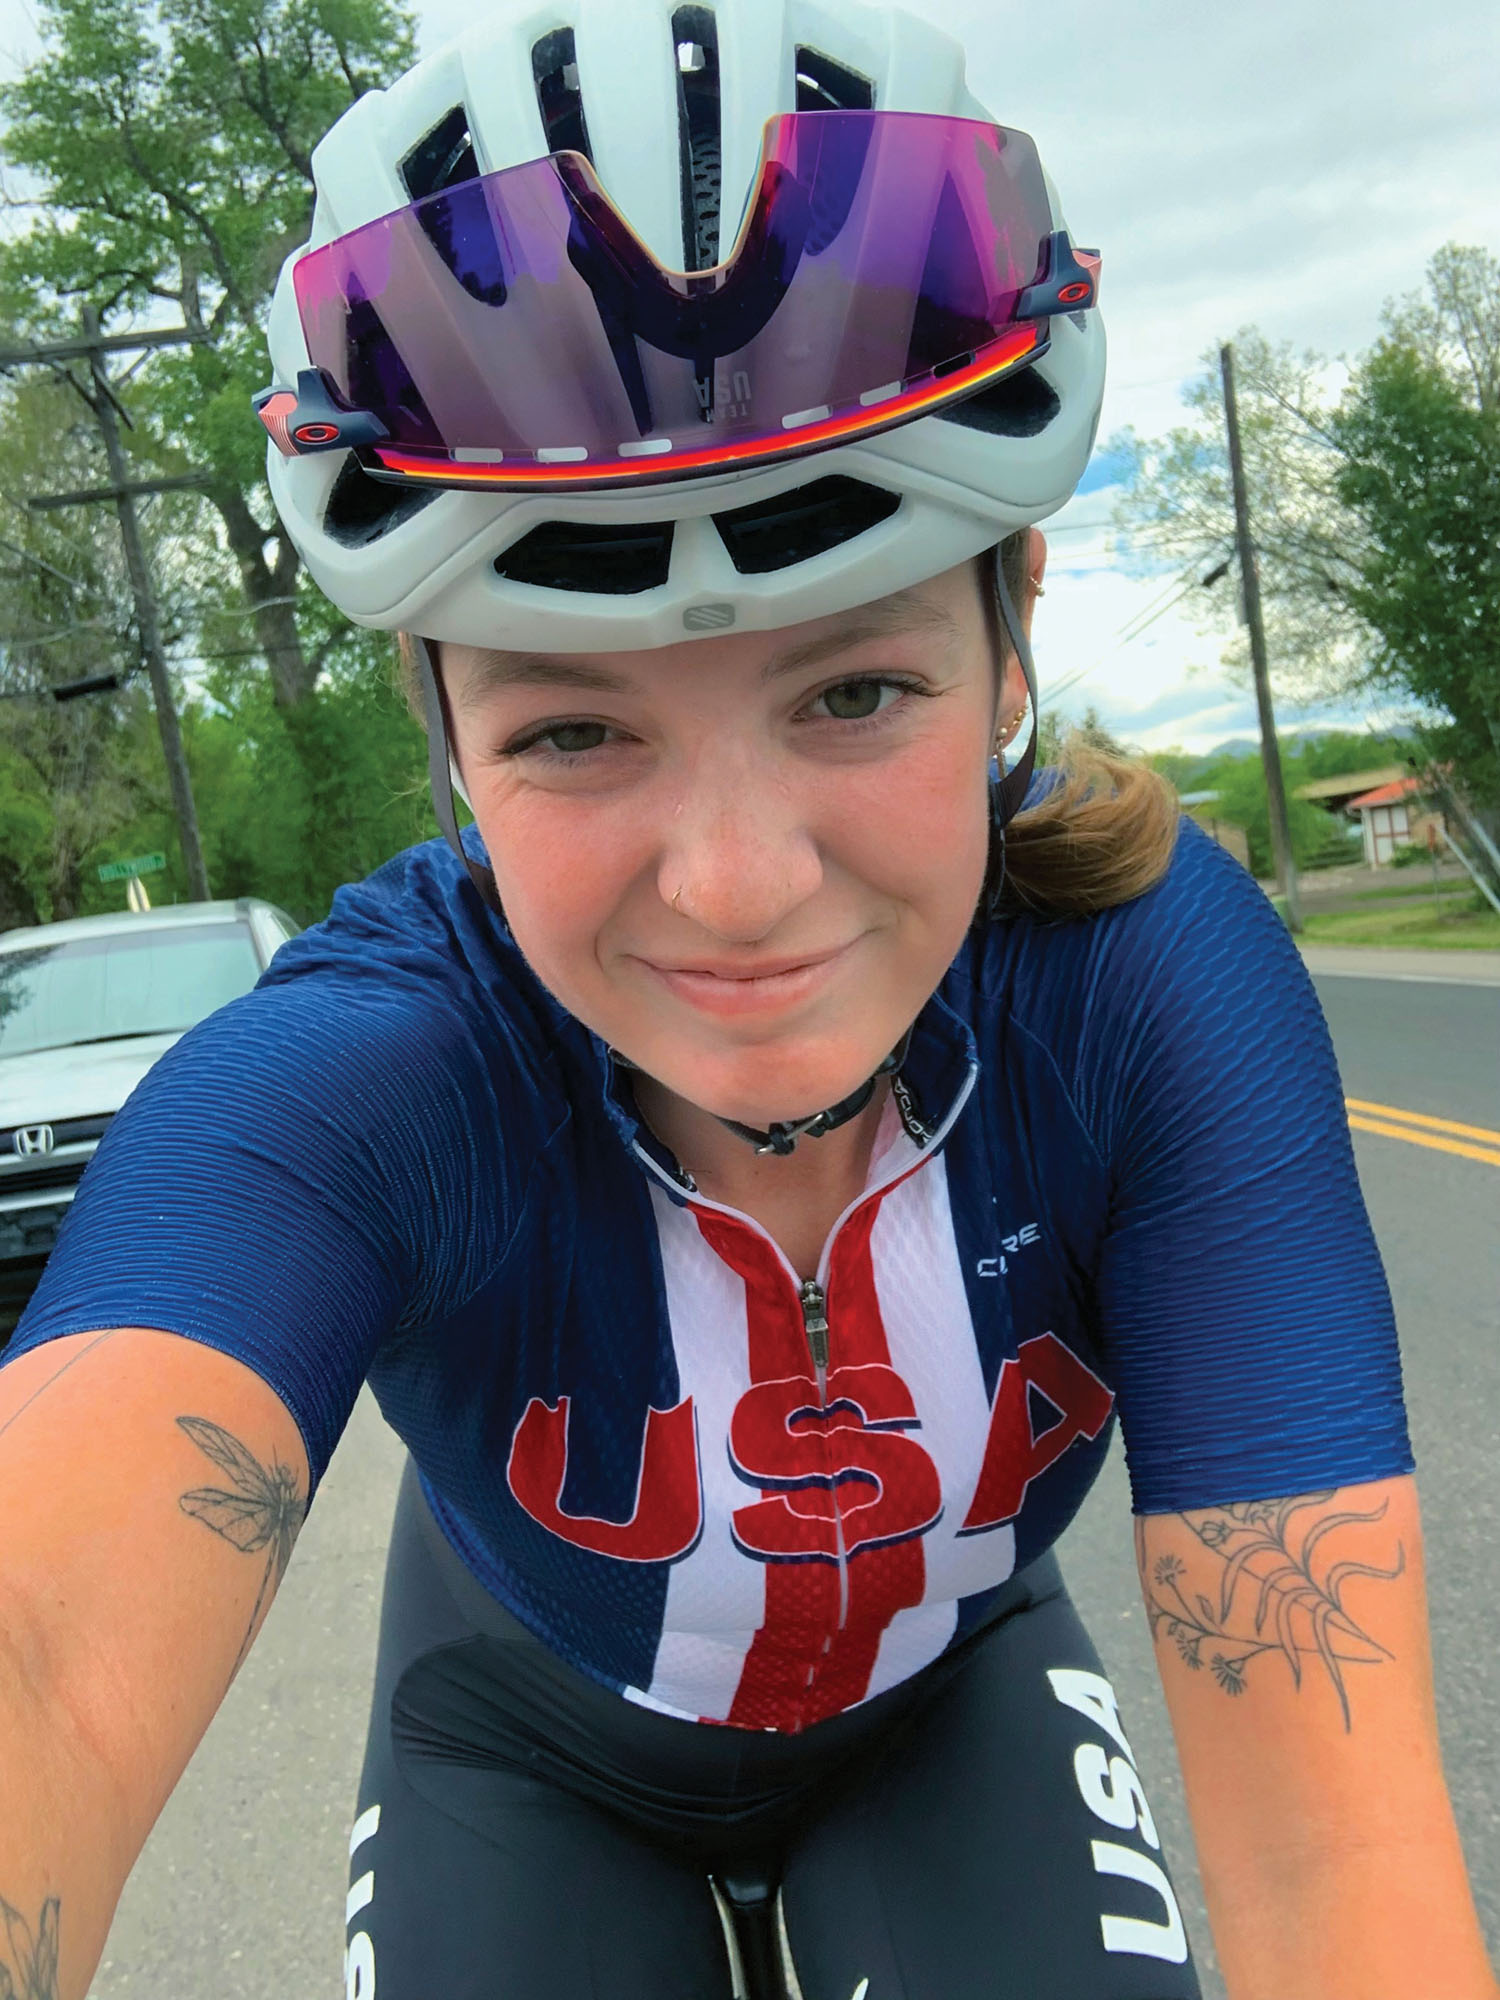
64 883
270 589
18 908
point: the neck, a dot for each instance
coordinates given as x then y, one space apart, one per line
728 1169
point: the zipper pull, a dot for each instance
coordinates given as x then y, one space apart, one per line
815 1320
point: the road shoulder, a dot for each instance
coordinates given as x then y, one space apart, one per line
1447 968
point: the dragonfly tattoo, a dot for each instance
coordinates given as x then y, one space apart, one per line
259 1509
29 1969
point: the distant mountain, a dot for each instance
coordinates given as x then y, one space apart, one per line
1247 746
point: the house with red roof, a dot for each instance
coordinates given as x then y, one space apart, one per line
1393 815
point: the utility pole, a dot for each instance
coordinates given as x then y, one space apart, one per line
1270 753
124 492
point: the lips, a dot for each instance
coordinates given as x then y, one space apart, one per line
740 973
734 988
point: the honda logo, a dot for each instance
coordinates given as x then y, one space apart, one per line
32 1139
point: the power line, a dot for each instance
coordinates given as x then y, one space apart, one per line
1123 638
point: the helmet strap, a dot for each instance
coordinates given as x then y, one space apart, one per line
440 772
1013 787
781 1139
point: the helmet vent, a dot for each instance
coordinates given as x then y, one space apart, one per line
441 160
778 534
695 34
1020 405
826 85
361 509
554 64
608 562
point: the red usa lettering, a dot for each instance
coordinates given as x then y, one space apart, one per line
668 1515
1013 1455
782 1437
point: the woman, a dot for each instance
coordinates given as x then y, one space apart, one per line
751 1242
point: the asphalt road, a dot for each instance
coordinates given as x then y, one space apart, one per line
241 1888
1433 1049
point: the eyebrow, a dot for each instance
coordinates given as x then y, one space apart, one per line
903 613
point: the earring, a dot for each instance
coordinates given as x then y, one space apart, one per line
1011 730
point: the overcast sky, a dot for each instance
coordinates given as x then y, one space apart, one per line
1290 164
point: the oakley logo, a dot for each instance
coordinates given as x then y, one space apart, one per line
708 617
33 1139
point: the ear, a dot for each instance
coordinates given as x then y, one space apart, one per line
1036 559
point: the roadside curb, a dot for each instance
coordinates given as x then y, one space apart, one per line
1438 968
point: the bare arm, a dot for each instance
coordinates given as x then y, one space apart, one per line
1292 1641
151 1489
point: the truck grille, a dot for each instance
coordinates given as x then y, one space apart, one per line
43 1174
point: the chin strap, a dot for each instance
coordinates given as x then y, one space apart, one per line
1013 787
440 773
780 1139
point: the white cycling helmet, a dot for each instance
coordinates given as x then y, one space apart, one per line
670 104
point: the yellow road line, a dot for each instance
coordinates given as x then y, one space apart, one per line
1424 1139
1421 1118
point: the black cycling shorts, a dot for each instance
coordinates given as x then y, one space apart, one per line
525 1834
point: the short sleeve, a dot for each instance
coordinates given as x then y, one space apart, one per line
1243 1305
291 1183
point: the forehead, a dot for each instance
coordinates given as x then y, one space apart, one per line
933 610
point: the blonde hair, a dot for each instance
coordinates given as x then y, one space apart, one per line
1103 832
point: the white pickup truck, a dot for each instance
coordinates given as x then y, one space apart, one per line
86 1008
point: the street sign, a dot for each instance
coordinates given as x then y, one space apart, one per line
120 871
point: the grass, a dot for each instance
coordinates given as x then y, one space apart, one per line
1448 885
1467 926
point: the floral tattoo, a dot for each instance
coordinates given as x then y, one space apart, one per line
1271 1587
260 1509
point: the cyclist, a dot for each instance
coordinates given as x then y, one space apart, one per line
750 1242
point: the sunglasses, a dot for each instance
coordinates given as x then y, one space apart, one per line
513 332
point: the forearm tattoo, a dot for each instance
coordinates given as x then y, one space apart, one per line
28 1959
1232 1584
260 1509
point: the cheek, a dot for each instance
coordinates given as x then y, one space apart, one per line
561 871
919 827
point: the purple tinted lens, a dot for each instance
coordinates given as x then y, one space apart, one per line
518 317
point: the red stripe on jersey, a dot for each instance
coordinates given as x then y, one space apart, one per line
847 1491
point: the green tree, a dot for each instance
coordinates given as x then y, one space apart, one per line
293 805
1241 785
1087 731
1177 508
1336 752
170 143
71 777
1420 434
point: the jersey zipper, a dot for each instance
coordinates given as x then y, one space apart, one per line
814 1302
812 1293
815 1324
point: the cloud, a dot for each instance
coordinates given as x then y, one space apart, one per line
1103 471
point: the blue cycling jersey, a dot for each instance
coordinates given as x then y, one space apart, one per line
1114 1178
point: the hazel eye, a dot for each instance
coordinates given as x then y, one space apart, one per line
856 701
574 738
